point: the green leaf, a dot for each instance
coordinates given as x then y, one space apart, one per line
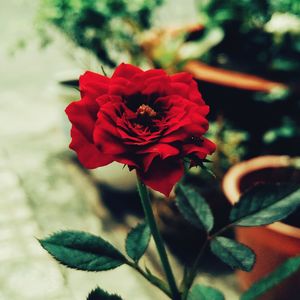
194 208
99 294
82 251
236 255
265 204
285 270
202 292
137 241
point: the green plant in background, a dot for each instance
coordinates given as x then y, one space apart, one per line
287 269
254 36
108 28
171 50
259 36
231 149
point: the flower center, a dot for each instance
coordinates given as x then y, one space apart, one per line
146 110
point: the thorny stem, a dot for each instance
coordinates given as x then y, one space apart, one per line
192 274
189 280
164 288
145 199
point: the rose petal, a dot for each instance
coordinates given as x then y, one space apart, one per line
88 154
126 70
81 118
192 92
156 85
146 75
93 84
127 160
208 144
105 135
201 151
118 86
182 77
179 88
163 174
162 150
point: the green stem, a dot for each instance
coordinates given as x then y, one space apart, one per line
189 279
145 199
192 274
223 229
161 285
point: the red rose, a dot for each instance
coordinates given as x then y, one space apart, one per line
147 120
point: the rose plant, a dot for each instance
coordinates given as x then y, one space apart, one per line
154 123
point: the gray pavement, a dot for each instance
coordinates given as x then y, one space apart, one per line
41 190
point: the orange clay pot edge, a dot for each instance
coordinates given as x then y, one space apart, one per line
230 78
231 187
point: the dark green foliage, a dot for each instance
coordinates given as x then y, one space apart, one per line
245 21
265 204
102 27
82 251
202 292
285 270
234 254
253 44
194 208
137 241
99 294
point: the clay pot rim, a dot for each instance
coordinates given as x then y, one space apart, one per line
232 78
231 181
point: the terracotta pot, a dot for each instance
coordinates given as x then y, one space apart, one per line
275 243
233 79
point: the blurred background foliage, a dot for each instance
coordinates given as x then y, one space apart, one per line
108 28
258 37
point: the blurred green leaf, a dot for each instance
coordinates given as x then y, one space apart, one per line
234 254
202 292
284 271
265 204
110 29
